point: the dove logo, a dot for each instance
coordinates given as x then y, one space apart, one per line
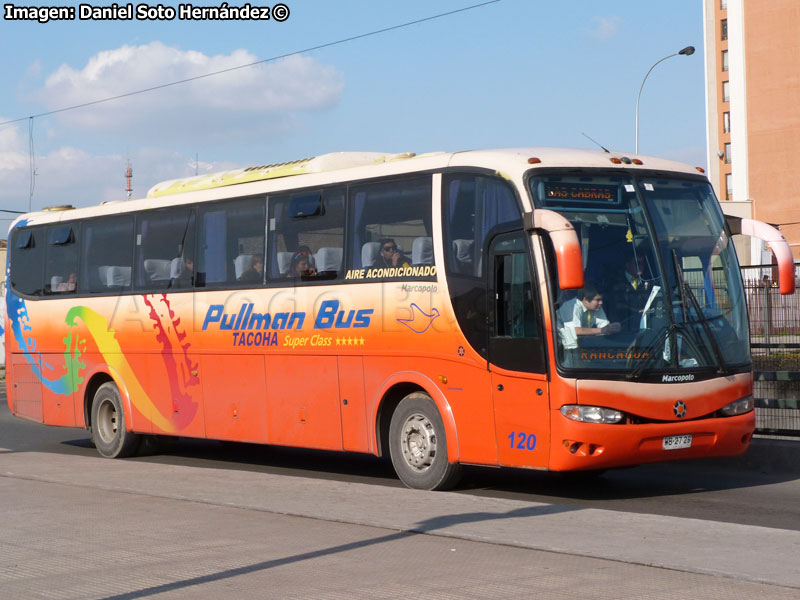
420 321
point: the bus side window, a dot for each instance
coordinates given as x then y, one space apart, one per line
107 249
27 260
391 228
306 233
61 267
165 241
474 208
231 244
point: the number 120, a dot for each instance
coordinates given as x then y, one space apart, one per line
524 441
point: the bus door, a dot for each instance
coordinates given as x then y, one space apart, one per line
517 359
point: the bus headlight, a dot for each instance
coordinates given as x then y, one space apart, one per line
738 407
591 414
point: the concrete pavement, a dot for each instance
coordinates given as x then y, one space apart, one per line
85 527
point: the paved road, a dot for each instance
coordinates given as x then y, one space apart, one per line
761 488
247 521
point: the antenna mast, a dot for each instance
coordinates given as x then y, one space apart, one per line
128 177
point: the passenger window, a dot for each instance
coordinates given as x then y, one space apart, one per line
231 248
165 250
307 235
27 260
475 207
108 249
392 232
62 263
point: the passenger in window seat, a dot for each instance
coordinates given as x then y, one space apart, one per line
185 278
256 271
391 256
68 285
300 265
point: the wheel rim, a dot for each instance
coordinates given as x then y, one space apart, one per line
107 421
418 442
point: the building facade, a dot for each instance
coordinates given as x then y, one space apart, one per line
752 53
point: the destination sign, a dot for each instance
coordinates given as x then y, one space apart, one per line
559 193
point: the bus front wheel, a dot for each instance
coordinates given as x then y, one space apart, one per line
418 445
108 424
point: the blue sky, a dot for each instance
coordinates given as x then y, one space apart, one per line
512 73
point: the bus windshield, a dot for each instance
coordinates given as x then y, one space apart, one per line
663 291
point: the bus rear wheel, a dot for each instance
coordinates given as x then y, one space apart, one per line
418 445
109 435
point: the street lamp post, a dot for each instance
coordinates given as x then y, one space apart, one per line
688 51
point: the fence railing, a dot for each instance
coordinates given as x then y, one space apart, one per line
775 345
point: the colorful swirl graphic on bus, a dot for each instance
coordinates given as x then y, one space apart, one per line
68 381
168 333
181 376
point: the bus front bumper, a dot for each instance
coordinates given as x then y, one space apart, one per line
581 446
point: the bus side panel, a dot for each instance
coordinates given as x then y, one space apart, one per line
26 388
303 401
175 393
234 397
468 391
354 412
522 414
58 409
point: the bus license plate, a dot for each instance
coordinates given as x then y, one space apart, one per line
675 442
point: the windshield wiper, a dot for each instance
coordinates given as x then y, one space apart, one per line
649 352
679 275
721 367
686 292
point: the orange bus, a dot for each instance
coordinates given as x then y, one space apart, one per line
537 307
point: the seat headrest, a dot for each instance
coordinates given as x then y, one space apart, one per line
118 276
241 263
328 259
369 253
157 268
422 251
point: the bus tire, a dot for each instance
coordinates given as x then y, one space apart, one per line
109 435
418 445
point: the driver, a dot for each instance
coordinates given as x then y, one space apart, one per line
581 316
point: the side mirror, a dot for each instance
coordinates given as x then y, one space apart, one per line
565 242
777 243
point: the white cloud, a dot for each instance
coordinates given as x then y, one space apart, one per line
261 99
70 175
249 103
603 28
13 154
